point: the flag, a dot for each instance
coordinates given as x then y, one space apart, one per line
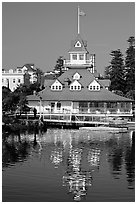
81 13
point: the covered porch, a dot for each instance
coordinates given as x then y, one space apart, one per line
70 107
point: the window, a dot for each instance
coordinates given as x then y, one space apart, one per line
125 105
71 87
75 88
18 80
2 80
83 106
13 80
74 57
57 87
78 44
19 71
111 105
81 57
78 87
94 88
58 105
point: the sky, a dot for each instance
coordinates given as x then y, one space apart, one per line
40 32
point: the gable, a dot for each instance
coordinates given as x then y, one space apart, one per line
76 76
56 85
94 83
94 86
78 44
75 85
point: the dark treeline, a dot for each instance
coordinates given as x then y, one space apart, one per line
121 71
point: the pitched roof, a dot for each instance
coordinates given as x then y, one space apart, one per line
30 67
105 82
83 95
85 79
83 45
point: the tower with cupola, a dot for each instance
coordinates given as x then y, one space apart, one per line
79 56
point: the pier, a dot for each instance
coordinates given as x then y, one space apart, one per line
72 120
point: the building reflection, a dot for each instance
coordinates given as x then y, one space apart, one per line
57 153
76 179
94 157
78 154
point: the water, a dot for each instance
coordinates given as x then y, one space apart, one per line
69 165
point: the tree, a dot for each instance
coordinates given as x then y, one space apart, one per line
130 94
27 79
39 73
9 103
130 65
116 71
107 72
5 92
59 65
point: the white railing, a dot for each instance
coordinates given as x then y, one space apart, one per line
69 62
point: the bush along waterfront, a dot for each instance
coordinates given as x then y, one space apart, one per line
15 125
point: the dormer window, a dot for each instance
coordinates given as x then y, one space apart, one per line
94 86
76 76
56 86
75 86
78 44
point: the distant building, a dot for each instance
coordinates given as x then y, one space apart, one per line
12 78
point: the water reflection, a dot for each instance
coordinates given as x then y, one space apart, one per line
121 151
57 153
76 179
14 150
94 157
130 162
78 154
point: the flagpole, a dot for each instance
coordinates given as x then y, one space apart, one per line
78 21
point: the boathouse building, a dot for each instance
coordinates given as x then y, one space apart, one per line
78 94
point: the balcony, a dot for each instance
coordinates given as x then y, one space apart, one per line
87 63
